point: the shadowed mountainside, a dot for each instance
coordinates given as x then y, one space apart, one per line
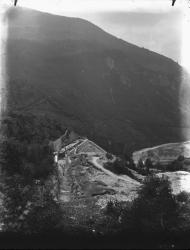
118 94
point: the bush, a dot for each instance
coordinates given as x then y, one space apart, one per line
183 196
159 166
25 158
156 214
119 167
176 165
113 213
29 160
109 156
155 210
29 208
148 164
140 164
113 208
44 215
144 168
16 195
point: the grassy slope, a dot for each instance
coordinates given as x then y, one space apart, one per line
165 152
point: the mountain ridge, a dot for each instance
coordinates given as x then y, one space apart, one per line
73 21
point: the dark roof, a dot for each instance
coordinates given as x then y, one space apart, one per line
64 140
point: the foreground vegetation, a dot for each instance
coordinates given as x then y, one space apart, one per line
31 206
27 165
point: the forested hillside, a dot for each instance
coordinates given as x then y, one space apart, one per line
28 174
112 91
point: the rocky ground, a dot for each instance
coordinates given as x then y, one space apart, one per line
86 187
83 177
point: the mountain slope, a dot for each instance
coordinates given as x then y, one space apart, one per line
165 153
101 86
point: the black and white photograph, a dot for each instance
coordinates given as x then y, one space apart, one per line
95 124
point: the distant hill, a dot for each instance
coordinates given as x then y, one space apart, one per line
122 96
165 153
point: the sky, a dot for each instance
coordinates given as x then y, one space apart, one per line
160 32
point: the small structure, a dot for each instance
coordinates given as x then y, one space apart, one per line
72 144
63 143
88 146
66 139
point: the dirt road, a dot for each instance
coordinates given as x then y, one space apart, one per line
95 162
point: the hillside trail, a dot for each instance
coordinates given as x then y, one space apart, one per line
95 162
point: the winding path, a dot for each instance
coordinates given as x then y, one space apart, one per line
95 162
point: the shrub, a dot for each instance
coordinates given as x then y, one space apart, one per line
148 164
44 215
26 157
113 208
109 156
155 210
177 164
16 195
143 168
119 167
29 208
140 164
183 196
113 212
31 161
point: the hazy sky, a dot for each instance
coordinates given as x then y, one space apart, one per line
160 32
153 24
